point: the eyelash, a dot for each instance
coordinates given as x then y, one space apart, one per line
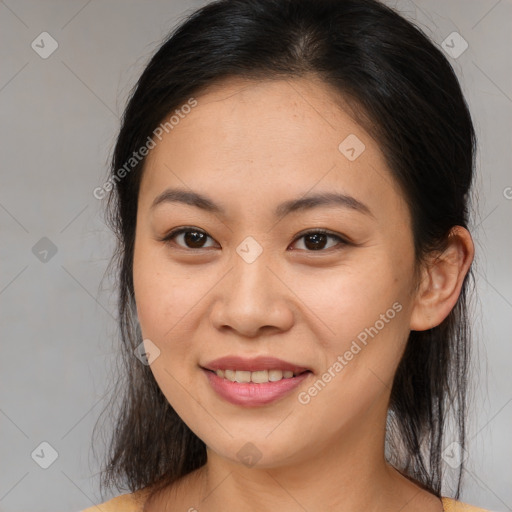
168 239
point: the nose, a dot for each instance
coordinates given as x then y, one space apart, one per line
252 300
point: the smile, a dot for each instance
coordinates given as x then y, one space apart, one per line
258 377
254 393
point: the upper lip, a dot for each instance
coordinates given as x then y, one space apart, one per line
253 364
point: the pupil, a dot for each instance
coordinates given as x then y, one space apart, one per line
317 243
195 239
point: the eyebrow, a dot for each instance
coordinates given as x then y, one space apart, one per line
175 195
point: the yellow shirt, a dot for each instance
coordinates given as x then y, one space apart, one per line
134 502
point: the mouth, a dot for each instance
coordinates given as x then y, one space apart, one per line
253 382
255 365
257 377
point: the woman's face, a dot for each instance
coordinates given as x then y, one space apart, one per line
251 279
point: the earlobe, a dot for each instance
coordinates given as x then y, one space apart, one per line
441 280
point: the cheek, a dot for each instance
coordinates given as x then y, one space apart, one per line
366 327
153 292
362 318
165 298
164 293
346 300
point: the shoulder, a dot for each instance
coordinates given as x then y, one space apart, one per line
130 502
451 505
134 502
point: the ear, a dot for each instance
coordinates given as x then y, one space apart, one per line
441 280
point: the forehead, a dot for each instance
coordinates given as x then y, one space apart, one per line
247 139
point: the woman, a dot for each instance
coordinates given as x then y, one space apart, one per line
290 194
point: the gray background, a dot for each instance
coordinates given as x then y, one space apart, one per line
59 119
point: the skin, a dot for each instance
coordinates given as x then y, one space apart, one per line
248 146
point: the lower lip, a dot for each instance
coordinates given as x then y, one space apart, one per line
251 394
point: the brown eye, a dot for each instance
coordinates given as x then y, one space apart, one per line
318 240
191 238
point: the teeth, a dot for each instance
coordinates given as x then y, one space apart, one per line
274 375
242 376
258 377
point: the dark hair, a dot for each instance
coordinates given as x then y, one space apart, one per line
404 92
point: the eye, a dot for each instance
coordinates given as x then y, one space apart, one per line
316 240
194 238
191 237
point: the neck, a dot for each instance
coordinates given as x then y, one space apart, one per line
322 482
348 474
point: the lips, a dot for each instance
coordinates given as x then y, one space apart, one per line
250 394
253 364
253 382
